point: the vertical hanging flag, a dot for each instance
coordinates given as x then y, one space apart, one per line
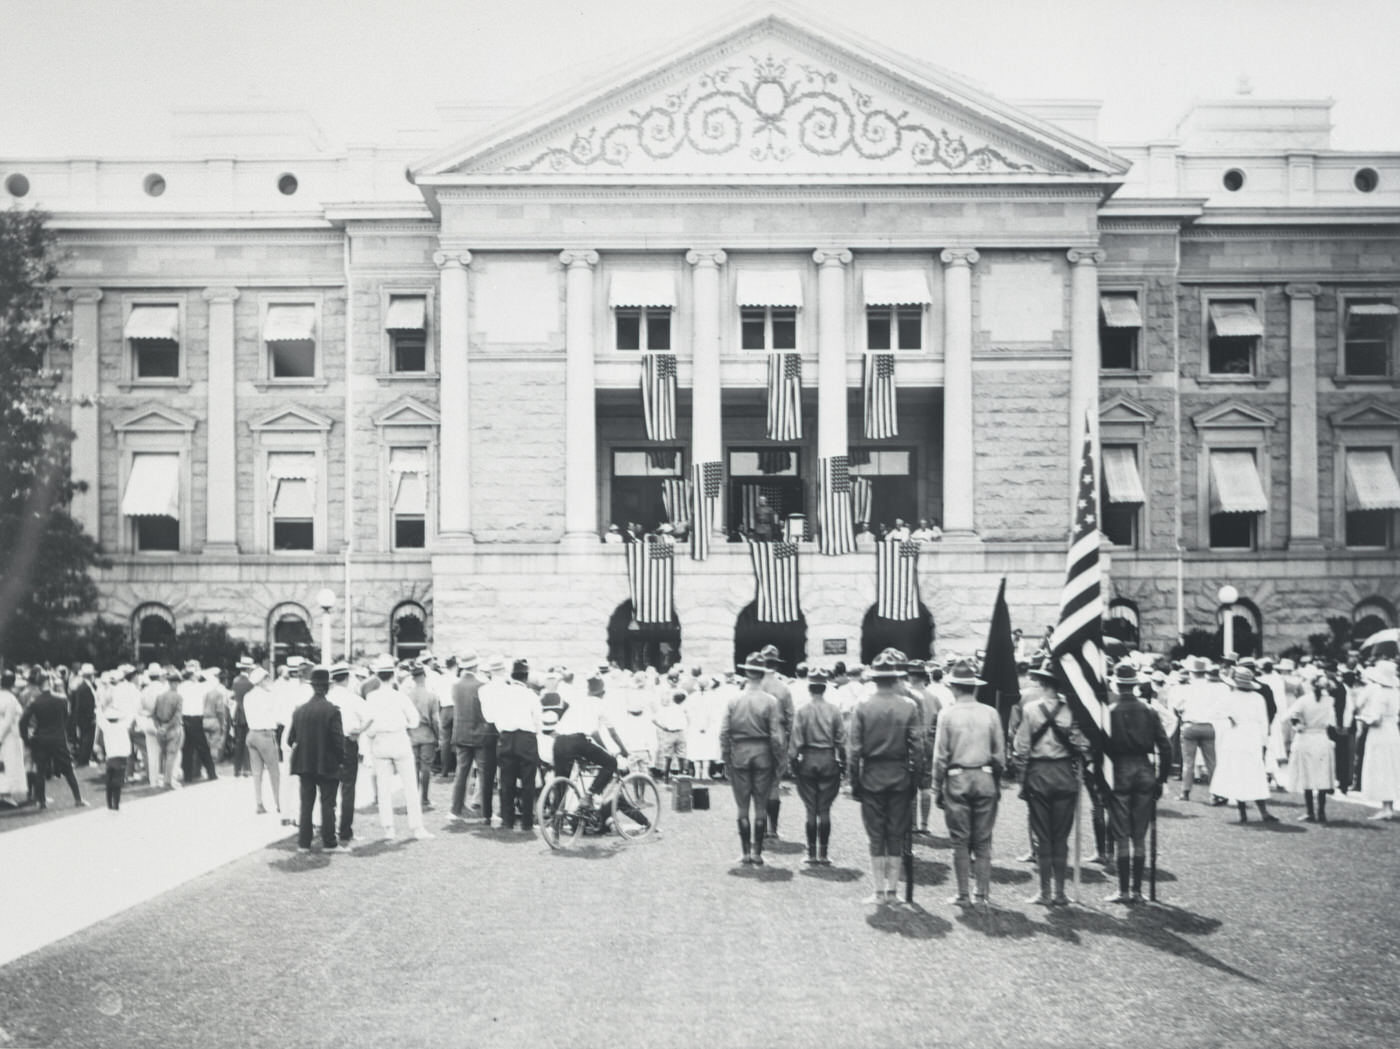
749 495
707 481
1076 643
651 567
1003 687
675 496
897 579
775 573
862 495
834 519
881 407
784 396
659 395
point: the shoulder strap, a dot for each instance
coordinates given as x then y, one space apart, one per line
1051 725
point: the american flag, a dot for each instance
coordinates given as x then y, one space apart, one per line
862 494
897 579
749 493
659 395
881 407
706 483
1076 643
775 572
651 573
834 519
784 396
675 495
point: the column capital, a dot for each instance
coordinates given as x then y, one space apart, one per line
452 259
1302 291
1086 256
221 294
706 257
578 258
85 294
959 256
832 256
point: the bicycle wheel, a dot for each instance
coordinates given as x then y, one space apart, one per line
556 813
638 807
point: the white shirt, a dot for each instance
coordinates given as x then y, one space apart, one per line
442 688
585 714
511 707
1198 700
262 710
388 712
192 698
351 707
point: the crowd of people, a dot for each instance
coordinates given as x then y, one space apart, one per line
906 735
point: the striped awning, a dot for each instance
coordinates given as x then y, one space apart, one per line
1371 480
1120 311
653 288
1121 477
153 486
293 500
153 322
769 288
1235 487
407 313
1235 319
1372 309
289 324
408 468
896 288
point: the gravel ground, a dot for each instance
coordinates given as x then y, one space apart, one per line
1265 936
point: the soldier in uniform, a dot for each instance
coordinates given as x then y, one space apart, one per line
776 687
1134 732
1047 745
969 755
884 758
751 746
818 756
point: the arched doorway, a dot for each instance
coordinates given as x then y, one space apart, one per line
1369 617
635 646
750 635
408 630
153 633
289 634
913 637
1122 621
1248 628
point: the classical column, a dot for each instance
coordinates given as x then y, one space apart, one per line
1303 530
221 484
1083 354
959 519
831 350
86 444
454 437
580 408
706 444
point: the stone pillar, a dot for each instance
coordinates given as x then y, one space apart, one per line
959 517
580 408
454 437
831 350
1303 518
706 415
221 484
87 443
1084 355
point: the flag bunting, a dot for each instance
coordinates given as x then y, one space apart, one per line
834 520
707 481
651 573
784 396
775 575
659 395
881 405
897 579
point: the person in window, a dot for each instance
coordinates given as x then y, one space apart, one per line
900 531
666 534
765 521
613 534
927 532
865 539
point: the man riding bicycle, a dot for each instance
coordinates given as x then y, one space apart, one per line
578 735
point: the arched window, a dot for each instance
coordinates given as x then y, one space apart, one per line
633 645
1248 627
1370 616
1121 621
153 633
408 630
913 637
289 634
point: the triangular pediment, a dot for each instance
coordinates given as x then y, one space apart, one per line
1123 410
291 418
406 412
155 420
1370 413
774 96
1233 415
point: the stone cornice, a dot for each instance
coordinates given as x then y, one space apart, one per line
155 235
1263 231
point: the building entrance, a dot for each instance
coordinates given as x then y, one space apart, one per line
636 646
750 635
913 637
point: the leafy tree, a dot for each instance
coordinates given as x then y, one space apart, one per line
45 556
208 642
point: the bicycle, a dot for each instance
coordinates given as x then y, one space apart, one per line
631 801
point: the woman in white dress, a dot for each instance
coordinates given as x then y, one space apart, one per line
13 785
1241 735
1312 768
1380 772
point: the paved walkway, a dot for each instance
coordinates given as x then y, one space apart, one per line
98 863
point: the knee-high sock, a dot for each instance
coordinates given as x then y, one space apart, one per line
1308 801
1139 862
811 836
760 828
774 805
925 807
892 873
1322 804
1060 869
823 833
1044 865
961 865
1123 866
983 866
745 835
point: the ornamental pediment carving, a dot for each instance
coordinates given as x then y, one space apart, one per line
776 97
1124 411
291 418
406 411
1368 414
1234 415
155 420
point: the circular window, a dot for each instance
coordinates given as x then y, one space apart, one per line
17 185
154 185
287 184
1233 180
1366 180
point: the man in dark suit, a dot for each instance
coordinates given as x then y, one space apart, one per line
241 685
473 737
317 740
82 715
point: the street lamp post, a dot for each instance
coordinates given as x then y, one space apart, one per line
325 597
1227 595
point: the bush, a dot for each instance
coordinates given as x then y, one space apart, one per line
210 643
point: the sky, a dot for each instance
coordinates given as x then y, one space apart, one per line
100 77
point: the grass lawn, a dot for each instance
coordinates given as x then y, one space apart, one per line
1276 936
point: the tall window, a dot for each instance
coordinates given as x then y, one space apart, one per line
407 325
1120 324
408 630
894 327
1372 498
1237 499
153 335
894 493
408 481
151 502
289 332
768 328
1122 495
1368 335
1234 337
639 477
643 328
771 474
292 480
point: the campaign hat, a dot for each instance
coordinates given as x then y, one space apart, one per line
1125 675
1044 671
962 673
887 664
756 662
